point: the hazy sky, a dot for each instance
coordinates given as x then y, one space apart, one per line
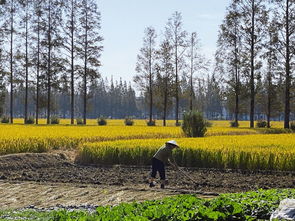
124 21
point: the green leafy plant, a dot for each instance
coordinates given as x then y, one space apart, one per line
54 120
194 124
257 205
292 125
30 120
79 121
129 121
101 121
4 119
234 124
261 124
151 123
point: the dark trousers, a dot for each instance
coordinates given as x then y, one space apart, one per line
158 166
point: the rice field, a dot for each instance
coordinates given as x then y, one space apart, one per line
223 146
252 152
19 138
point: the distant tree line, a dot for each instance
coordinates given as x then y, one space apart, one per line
252 77
256 59
105 98
44 44
167 68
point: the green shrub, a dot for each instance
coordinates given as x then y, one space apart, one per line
261 124
234 124
30 120
129 121
101 121
54 120
79 121
4 119
194 124
292 125
151 123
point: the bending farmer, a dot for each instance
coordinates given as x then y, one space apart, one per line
162 157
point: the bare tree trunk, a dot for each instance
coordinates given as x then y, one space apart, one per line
237 86
165 101
49 66
38 73
27 67
192 72
38 65
176 82
72 65
150 81
85 69
288 71
268 105
269 80
11 62
252 83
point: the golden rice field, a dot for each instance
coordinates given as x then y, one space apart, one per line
18 138
117 143
31 138
264 152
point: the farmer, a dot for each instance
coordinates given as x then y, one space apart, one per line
162 157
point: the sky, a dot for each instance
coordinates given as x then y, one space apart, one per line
123 23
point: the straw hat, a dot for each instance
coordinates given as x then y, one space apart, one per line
172 142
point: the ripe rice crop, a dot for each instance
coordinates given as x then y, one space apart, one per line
253 152
40 138
30 138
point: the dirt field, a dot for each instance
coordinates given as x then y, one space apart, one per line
48 180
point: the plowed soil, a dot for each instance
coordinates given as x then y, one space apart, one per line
50 179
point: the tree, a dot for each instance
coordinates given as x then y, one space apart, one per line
213 98
145 66
54 61
12 14
38 29
2 72
197 63
90 47
229 53
164 77
285 18
253 20
25 6
70 45
271 56
177 37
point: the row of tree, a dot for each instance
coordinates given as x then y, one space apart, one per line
163 66
253 67
105 98
43 43
50 50
256 55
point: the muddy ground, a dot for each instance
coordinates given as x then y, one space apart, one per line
50 179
